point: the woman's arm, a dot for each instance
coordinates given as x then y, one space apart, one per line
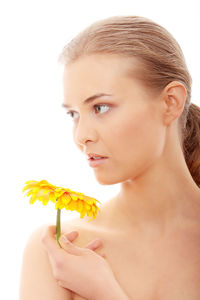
81 270
37 280
114 292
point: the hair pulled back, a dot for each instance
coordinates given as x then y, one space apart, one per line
162 59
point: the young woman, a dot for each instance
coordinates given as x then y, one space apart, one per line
128 91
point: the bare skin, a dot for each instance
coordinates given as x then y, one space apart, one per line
148 268
150 230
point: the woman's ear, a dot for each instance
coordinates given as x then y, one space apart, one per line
174 96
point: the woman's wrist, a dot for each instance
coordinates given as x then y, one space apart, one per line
111 292
115 295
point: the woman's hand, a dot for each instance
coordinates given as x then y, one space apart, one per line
79 269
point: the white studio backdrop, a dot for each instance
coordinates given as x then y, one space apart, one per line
36 135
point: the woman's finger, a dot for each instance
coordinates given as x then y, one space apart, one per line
70 247
72 235
49 236
93 245
102 254
48 239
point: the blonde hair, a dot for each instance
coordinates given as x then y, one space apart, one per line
162 60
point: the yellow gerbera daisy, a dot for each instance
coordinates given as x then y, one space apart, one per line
72 200
40 190
63 198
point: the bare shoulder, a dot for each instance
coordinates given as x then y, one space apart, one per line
37 280
82 227
88 231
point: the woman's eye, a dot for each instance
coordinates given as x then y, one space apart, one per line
71 113
101 105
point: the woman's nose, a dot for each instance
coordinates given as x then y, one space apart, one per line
84 133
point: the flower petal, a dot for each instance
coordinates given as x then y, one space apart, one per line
63 198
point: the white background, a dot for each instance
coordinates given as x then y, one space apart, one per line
36 136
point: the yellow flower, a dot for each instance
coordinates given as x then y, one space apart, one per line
40 190
72 200
63 198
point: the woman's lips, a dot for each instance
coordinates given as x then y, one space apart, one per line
96 162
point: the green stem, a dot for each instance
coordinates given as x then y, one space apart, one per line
58 229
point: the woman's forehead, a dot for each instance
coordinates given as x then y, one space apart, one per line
103 62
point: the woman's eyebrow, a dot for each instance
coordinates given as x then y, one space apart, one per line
89 100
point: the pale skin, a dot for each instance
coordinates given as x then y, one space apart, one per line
158 203
75 267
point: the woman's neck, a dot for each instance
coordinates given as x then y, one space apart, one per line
155 202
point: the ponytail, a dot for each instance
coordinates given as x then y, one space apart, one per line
191 142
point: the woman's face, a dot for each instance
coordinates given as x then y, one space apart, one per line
125 126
